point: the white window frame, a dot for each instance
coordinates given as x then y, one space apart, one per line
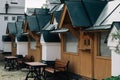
72 45
104 50
6 18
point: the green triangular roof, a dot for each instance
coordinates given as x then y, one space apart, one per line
77 14
19 26
33 23
11 27
57 15
94 8
84 13
43 19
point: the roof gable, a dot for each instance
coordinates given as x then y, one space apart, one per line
109 14
94 8
77 14
43 19
57 15
19 26
117 25
32 23
11 28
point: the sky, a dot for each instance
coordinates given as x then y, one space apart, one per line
34 3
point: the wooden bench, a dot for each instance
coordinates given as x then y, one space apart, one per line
59 67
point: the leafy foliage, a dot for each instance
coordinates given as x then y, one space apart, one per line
113 78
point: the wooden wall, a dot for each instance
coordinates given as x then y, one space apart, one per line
102 65
14 49
86 62
36 53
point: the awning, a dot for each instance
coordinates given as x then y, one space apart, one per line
49 37
49 26
22 38
100 27
61 30
6 38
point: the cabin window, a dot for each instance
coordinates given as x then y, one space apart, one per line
103 48
32 43
71 43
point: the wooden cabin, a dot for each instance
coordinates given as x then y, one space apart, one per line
33 26
51 48
109 16
112 44
30 27
84 48
21 39
12 31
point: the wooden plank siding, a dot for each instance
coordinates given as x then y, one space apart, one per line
13 45
37 53
86 62
102 65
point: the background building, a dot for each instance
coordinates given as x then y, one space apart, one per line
9 10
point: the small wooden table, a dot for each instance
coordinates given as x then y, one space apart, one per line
11 62
36 70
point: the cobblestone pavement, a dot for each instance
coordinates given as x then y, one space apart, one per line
13 74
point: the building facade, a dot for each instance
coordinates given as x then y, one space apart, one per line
9 10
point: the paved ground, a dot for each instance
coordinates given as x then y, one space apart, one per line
11 75
16 74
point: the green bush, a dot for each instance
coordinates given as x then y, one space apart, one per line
113 78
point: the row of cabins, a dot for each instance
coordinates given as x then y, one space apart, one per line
79 32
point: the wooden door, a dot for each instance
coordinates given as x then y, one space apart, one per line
86 64
86 54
